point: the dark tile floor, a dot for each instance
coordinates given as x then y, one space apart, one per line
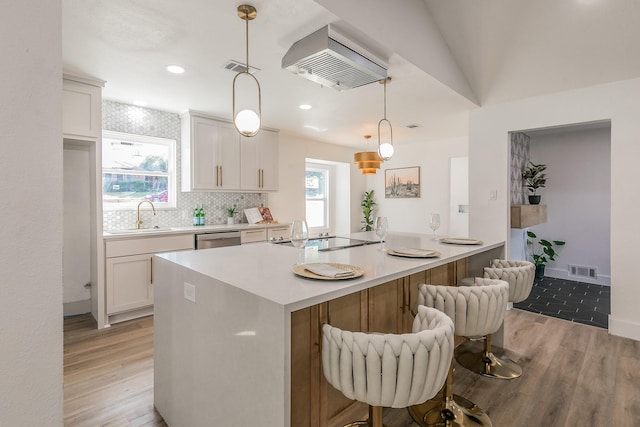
565 299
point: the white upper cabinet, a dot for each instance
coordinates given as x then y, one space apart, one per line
81 107
216 157
229 147
210 154
260 161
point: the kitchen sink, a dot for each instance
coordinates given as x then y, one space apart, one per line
140 230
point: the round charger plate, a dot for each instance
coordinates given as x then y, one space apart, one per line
460 241
300 271
429 253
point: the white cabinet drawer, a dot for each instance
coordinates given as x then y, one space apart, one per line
251 236
148 245
279 232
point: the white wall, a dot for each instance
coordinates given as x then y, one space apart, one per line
411 215
489 169
459 196
31 215
404 214
76 226
288 203
578 198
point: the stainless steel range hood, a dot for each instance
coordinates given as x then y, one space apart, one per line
331 59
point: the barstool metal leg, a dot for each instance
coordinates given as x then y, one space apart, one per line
452 410
484 362
375 418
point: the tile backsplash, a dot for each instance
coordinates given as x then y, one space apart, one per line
126 118
519 159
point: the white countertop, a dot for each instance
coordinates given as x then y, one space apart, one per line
265 269
133 233
223 316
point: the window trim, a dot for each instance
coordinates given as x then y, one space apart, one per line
329 193
171 174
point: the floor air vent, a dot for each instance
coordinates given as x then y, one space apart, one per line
582 271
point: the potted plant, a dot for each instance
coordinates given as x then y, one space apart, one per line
230 214
534 178
541 251
367 210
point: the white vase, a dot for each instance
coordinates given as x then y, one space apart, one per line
230 220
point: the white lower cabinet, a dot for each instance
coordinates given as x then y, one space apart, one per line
253 236
129 283
280 233
262 234
129 273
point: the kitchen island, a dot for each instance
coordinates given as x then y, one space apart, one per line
237 333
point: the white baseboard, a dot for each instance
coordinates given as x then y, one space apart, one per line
558 273
76 307
623 328
129 315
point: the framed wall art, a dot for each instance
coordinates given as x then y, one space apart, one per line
402 183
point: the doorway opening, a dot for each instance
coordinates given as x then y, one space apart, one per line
577 200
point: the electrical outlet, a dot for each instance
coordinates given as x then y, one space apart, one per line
189 292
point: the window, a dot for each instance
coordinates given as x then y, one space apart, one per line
317 179
137 168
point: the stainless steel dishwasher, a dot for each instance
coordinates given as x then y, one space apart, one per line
218 239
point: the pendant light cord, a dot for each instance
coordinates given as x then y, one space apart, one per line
250 125
388 150
246 39
385 98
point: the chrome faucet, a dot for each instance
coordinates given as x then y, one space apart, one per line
138 222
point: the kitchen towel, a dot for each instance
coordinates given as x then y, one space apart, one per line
326 270
414 252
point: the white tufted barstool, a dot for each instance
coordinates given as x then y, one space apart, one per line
389 370
475 310
520 276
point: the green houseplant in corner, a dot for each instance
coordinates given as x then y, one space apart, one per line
542 251
534 178
368 205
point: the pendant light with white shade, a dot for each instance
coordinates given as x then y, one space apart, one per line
247 121
385 143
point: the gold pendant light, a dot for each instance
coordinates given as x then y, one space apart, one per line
247 122
385 145
368 161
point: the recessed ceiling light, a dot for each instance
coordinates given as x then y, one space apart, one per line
305 107
316 128
139 103
175 69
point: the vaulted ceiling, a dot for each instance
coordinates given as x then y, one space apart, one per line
445 57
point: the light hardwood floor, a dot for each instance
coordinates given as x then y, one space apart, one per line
574 375
108 374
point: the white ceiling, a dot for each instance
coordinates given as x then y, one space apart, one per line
445 57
